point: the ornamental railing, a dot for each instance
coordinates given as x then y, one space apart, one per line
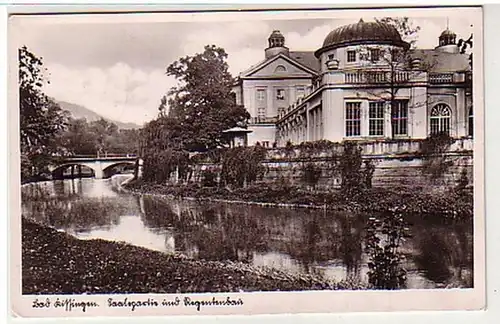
376 77
262 120
439 78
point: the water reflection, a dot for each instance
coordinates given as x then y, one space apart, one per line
301 241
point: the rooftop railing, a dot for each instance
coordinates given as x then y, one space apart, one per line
439 78
375 77
262 120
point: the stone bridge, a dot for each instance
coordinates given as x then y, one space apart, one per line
99 164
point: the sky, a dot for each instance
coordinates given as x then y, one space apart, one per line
117 68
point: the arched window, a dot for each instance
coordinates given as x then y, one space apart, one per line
280 69
440 119
471 122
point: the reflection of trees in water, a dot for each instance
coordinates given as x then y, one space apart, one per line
215 231
351 248
219 231
76 214
67 188
447 254
60 206
328 236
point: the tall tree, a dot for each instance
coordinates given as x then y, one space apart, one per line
202 104
104 133
41 119
78 138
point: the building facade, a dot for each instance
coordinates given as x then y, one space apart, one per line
364 83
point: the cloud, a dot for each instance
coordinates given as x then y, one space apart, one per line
243 41
118 92
314 37
431 29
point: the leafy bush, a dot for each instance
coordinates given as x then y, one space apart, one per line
311 174
434 153
242 165
209 178
383 241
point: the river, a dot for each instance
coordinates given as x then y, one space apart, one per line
296 240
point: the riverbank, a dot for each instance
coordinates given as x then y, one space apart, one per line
449 204
54 262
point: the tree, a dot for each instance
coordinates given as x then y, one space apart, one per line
389 69
103 131
41 119
464 46
202 104
77 138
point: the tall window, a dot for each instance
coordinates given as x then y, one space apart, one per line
353 118
351 56
376 119
400 118
471 122
261 112
261 95
280 94
300 92
374 54
440 119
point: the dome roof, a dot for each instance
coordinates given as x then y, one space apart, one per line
447 32
276 34
362 33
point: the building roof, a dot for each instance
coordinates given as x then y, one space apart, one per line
439 61
447 32
237 130
306 58
301 64
362 33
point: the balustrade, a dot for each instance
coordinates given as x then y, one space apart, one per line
436 78
375 77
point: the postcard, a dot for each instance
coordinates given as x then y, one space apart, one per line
248 162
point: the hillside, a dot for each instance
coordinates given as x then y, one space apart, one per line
78 111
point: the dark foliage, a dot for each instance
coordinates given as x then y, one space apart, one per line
242 165
383 241
434 152
41 119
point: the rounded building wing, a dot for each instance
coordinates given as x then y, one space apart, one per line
362 33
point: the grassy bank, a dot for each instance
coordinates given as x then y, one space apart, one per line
451 203
57 263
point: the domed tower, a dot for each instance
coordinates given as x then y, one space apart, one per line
276 45
448 42
359 34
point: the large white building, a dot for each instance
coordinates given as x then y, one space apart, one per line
363 83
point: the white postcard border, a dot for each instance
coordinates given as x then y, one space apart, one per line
273 302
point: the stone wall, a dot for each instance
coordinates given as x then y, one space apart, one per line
397 163
389 172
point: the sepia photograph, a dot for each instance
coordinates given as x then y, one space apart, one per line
178 162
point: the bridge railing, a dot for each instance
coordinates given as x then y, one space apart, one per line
104 155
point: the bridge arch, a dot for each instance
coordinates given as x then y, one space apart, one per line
54 170
108 167
100 166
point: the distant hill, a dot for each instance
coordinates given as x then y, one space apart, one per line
78 111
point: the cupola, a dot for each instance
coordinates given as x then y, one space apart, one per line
276 45
447 42
362 33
